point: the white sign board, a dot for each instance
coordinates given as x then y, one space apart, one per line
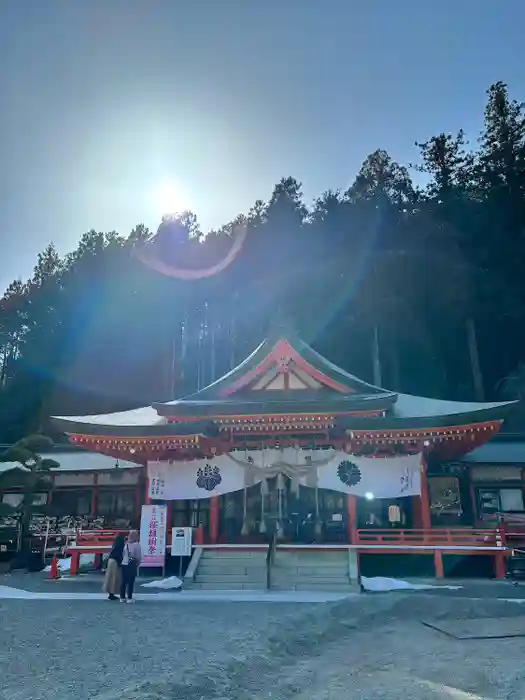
181 541
153 535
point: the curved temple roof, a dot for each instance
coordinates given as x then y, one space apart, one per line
285 376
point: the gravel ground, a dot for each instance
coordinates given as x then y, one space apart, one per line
366 648
392 656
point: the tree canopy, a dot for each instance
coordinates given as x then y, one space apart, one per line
413 274
24 469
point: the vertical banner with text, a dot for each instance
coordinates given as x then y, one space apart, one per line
153 535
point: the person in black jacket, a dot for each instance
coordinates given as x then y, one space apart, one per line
113 579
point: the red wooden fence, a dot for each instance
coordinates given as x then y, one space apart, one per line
462 537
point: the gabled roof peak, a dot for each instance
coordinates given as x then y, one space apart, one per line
284 364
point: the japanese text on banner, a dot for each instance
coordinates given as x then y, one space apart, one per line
153 535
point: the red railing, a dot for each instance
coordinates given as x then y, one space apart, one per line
433 537
102 537
100 542
96 542
513 526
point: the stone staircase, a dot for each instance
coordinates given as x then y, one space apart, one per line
231 570
315 570
292 570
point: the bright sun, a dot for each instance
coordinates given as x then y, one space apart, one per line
169 198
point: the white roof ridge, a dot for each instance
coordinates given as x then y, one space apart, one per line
411 406
145 415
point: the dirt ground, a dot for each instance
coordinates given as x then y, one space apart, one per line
366 648
391 655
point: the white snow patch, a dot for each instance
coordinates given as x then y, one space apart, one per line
165 583
379 584
9 592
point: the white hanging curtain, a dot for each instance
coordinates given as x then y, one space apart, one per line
392 477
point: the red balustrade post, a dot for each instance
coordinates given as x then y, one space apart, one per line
75 562
502 533
499 565
499 560
438 563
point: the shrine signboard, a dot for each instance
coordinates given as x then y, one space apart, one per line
153 535
181 541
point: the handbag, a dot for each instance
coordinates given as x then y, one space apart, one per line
133 562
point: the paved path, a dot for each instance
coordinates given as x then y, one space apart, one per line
11 593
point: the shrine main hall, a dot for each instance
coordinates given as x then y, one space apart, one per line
290 445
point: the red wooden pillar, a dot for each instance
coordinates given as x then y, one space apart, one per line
147 499
139 499
416 512
94 497
214 519
473 500
499 565
426 522
438 563
75 563
351 518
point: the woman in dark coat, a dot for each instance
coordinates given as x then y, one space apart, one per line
113 579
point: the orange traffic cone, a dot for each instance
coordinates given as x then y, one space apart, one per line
55 571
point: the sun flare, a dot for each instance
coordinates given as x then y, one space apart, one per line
169 198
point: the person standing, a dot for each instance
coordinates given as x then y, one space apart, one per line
131 557
113 579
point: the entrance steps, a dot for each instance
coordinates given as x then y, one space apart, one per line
330 570
231 570
315 570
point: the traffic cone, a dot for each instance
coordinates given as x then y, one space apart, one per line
54 573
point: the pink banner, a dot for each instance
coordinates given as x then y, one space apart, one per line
153 535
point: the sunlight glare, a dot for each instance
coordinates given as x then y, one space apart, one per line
169 198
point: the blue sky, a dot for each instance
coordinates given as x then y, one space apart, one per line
105 104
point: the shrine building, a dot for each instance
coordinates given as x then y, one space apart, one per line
288 445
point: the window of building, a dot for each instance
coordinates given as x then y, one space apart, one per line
445 500
15 499
494 501
116 504
72 502
12 499
191 513
511 500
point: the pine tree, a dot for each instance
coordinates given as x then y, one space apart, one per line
25 470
